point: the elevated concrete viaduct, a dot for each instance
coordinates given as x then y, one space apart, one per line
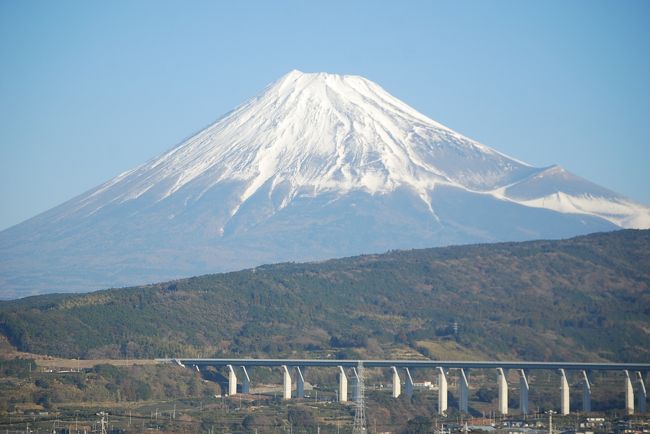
633 373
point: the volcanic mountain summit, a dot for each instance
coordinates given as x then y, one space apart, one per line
314 167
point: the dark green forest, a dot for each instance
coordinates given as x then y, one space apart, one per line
583 299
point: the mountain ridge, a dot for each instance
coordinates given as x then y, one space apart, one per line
581 299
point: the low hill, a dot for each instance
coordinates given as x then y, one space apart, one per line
584 298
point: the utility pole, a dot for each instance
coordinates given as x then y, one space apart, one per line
550 421
102 421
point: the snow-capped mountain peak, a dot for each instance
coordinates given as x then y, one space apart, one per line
316 166
312 133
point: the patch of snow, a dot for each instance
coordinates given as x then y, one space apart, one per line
623 213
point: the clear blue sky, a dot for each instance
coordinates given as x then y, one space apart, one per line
91 89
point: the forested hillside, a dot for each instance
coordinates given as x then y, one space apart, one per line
585 298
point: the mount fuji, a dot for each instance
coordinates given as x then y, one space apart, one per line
314 167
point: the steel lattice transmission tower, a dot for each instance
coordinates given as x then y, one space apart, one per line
359 426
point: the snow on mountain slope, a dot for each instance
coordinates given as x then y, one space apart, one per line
316 166
555 188
314 133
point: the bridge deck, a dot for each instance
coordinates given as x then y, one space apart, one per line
414 364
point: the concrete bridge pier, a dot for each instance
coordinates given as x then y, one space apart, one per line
300 383
409 383
642 396
286 383
524 388
397 385
246 381
463 394
343 385
565 404
232 381
586 393
502 386
629 394
442 392
355 385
